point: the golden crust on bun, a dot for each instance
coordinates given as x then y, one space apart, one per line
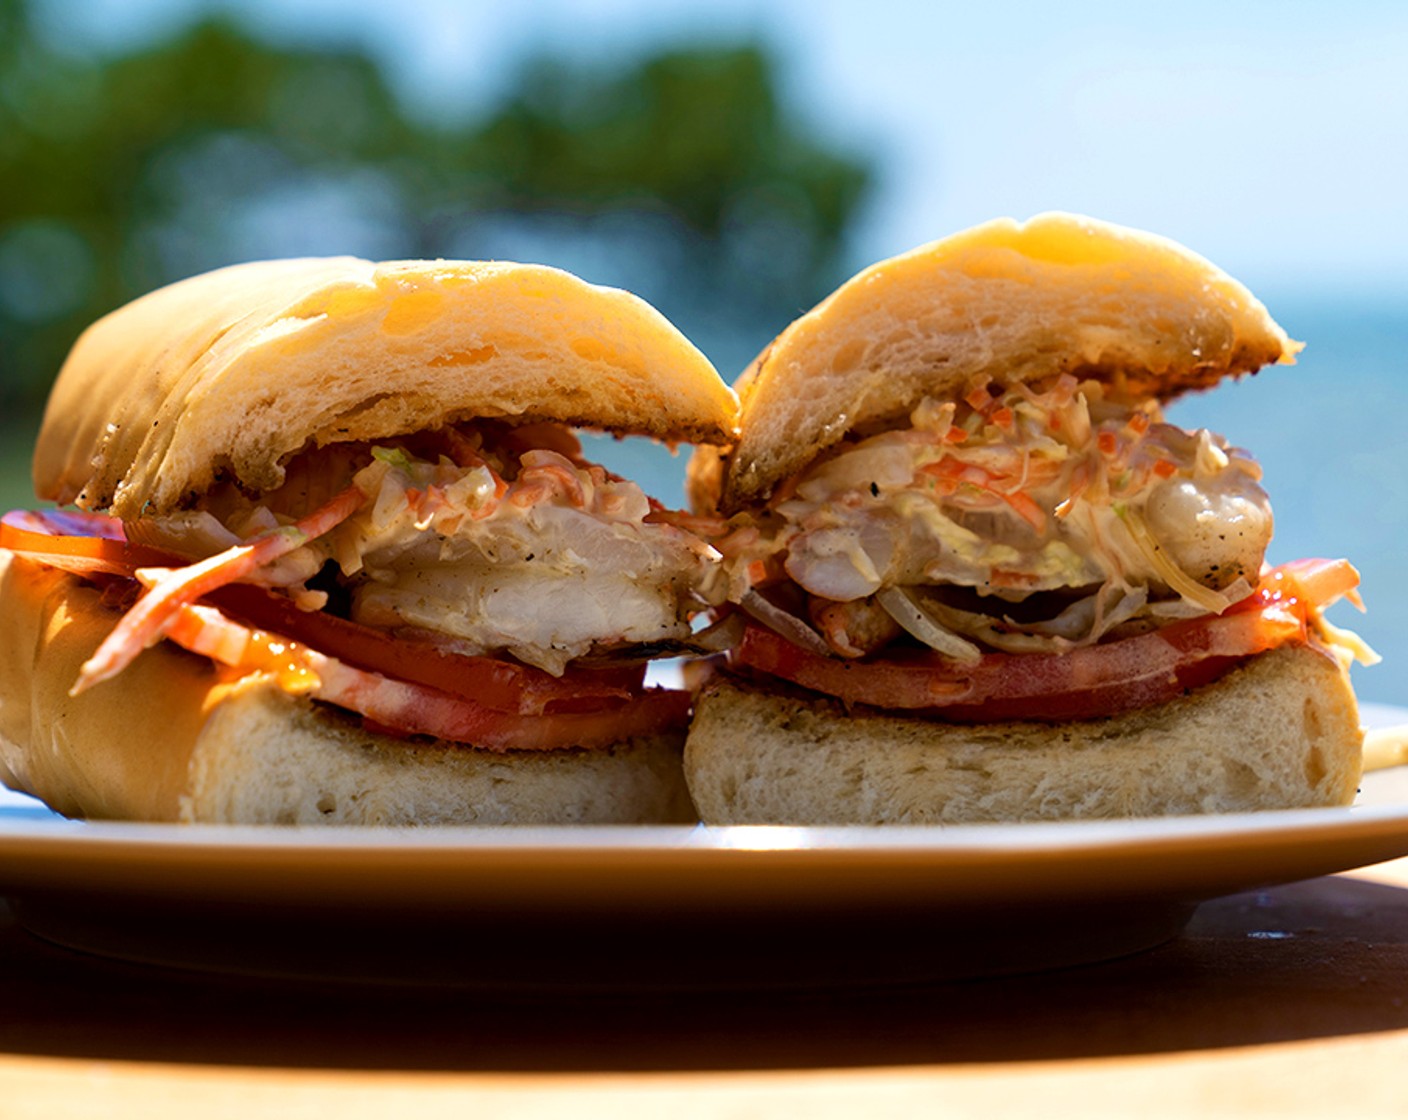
1027 302
229 374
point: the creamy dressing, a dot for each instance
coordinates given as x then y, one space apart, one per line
1013 495
500 543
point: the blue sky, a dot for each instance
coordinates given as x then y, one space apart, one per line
1272 137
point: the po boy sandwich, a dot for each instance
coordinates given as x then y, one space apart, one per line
974 574
338 556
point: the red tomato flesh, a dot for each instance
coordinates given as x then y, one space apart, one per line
506 686
1085 683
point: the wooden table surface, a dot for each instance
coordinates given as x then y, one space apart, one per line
1286 1002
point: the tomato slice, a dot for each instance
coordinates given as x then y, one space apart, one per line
401 707
1085 683
497 683
407 708
87 544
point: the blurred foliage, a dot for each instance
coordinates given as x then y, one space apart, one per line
682 175
701 134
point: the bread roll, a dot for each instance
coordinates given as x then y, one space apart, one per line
927 492
1281 732
216 384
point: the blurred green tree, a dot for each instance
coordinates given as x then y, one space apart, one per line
682 175
120 174
689 161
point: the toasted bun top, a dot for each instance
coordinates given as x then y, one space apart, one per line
1003 301
230 373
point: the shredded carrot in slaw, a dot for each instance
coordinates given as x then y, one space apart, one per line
169 590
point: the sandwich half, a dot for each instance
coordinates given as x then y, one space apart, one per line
974 576
339 557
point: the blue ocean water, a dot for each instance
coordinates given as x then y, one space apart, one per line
1331 433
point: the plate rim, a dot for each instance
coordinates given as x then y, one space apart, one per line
28 834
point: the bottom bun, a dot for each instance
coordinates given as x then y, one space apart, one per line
1282 731
172 739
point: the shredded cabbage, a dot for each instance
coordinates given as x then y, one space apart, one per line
1013 493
